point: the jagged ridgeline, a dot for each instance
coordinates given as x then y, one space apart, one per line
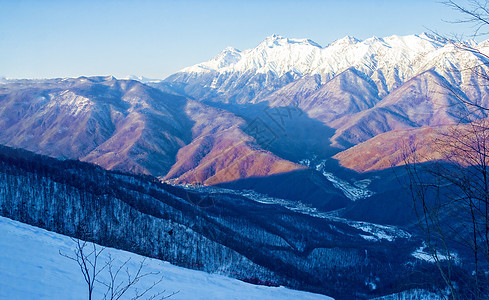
216 232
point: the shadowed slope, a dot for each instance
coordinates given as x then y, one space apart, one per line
347 93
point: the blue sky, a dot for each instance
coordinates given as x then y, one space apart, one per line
44 39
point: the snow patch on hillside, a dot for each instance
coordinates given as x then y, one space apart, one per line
139 78
380 232
422 254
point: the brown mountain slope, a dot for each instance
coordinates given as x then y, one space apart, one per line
463 144
221 152
122 125
390 149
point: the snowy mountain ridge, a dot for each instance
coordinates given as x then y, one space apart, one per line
253 74
405 55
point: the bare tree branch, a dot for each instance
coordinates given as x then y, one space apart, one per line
117 285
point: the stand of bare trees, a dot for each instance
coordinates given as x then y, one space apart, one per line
451 202
451 194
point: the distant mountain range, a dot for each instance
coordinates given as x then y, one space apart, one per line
359 88
386 63
253 113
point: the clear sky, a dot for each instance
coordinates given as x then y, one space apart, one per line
62 38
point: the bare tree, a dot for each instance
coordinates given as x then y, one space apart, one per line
451 203
87 259
120 278
474 12
117 286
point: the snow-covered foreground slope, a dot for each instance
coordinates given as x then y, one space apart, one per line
32 268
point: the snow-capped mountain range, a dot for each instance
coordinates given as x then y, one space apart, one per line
278 60
280 55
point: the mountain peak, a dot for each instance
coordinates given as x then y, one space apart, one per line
227 57
347 40
278 40
423 42
272 40
230 49
433 37
274 37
